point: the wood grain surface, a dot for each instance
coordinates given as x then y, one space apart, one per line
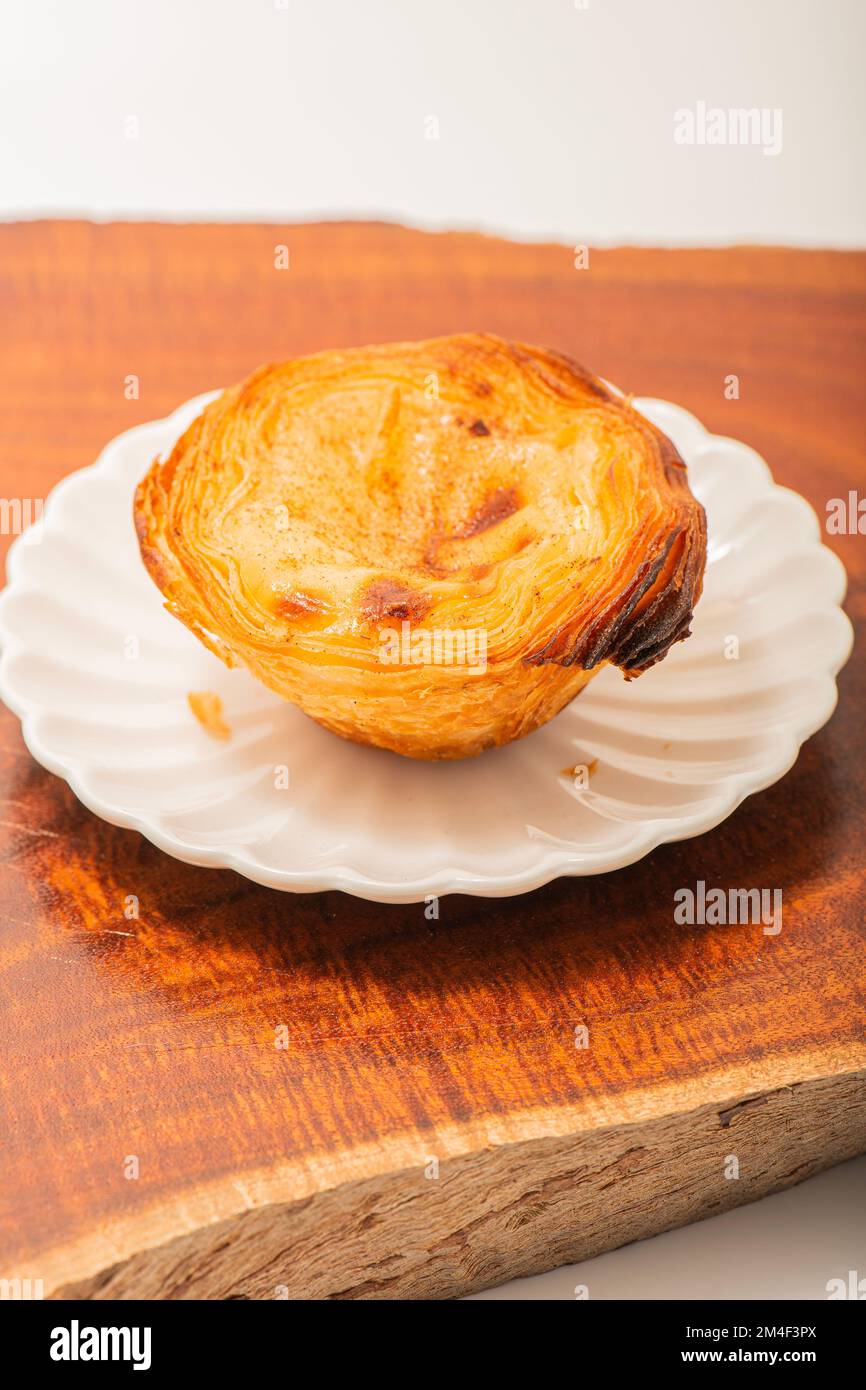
308 1170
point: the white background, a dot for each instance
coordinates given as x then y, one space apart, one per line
553 121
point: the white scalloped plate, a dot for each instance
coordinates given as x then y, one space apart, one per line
670 755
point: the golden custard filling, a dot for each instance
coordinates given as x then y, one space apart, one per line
351 526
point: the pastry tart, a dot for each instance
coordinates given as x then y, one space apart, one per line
431 547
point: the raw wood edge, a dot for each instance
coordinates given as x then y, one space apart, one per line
507 1211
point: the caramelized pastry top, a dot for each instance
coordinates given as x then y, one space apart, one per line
464 481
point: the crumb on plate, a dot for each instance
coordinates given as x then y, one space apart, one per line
208 710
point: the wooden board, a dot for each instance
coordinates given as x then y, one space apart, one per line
308 1170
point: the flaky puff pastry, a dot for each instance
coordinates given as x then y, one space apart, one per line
430 547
